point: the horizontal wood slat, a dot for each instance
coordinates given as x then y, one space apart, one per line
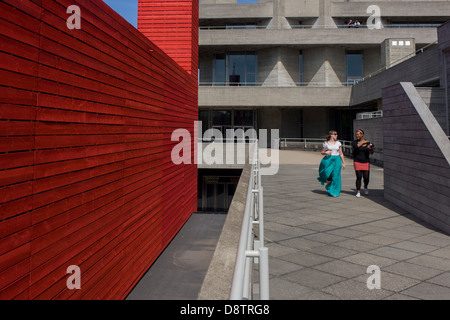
170 26
86 117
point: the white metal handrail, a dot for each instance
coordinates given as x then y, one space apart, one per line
369 115
346 145
249 248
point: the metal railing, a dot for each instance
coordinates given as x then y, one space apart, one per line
421 50
369 115
312 142
312 26
250 250
253 84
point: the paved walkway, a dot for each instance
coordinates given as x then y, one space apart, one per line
320 247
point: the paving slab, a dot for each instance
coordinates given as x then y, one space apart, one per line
348 234
319 247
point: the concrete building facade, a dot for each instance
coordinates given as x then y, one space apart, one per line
291 65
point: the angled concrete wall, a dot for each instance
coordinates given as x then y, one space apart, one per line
416 157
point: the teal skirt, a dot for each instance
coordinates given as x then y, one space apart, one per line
330 169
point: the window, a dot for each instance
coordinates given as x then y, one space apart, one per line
236 68
300 64
354 66
203 117
221 120
243 118
219 71
243 25
227 119
247 1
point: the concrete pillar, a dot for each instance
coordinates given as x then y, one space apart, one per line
278 66
269 118
371 60
324 66
292 123
278 21
325 18
206 69
316 122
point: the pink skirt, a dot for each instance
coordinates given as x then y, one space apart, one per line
361 166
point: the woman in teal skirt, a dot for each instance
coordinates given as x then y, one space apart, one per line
331 164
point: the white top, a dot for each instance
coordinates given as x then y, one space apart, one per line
333 147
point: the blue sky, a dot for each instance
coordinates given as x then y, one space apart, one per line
128 8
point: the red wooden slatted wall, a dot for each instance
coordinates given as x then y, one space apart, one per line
86 176
169 24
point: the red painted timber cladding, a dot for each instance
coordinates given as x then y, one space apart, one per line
86 176
173 26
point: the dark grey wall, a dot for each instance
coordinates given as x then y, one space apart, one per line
416 156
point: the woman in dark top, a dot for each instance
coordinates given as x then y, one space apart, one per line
361 152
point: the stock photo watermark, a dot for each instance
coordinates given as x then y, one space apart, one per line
374 21
374 281
233 151
74 21
74 280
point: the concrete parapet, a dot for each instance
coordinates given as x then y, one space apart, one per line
273 96
312 36
424 66
219 277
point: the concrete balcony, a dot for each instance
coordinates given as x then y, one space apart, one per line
219 97
301 37
296 9
236 11
435 10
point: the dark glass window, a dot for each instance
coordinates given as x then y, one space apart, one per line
221 117
237 68
203 117
243 118
219 70
300 63
354 66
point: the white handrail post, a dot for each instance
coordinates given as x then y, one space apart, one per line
261 216
264 273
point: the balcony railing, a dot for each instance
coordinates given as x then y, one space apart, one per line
312 143
341 26
347 83
369 115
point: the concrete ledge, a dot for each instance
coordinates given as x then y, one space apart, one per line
391 8
219 277
217 97
312 36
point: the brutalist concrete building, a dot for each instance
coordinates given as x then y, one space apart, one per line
293 65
